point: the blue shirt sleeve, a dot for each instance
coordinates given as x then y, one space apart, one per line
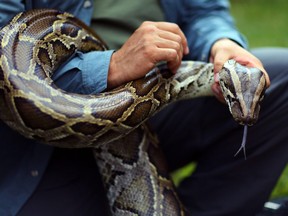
9 9
203 23
84 73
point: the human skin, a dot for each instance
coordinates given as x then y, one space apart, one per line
150 44
154 42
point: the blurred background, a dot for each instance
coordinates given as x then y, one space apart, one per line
265 24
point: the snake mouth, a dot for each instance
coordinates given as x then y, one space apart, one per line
245 116
246 120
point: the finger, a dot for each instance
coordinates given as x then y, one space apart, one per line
219 60
167 44
174 65
170 56
169 36
174 28
217 92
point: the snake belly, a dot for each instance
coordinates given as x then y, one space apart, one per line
35 43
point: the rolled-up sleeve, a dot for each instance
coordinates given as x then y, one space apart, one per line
84 73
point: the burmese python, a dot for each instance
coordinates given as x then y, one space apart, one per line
35 43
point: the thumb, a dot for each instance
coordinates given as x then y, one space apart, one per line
218 62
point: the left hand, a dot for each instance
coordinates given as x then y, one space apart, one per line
151 43
225 49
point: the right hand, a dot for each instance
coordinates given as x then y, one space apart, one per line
151 43
225 49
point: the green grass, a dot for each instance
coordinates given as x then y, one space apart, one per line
264 23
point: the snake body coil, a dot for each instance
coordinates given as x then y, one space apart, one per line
35 43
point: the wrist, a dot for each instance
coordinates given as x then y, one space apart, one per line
220 44
113 79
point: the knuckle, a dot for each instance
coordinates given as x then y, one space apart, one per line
172 54
148 50
177 46
148 27
175 26
146 23
218 65
178 39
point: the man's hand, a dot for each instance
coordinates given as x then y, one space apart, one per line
150 44
225 49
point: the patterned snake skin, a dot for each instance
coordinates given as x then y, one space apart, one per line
35 43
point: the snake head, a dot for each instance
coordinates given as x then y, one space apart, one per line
243 89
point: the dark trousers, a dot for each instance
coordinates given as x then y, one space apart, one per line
203 130
200 130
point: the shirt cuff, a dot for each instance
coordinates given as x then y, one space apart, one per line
95 67
84 73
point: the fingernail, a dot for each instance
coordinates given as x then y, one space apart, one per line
216 77
187 50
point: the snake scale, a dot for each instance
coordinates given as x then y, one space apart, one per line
35 43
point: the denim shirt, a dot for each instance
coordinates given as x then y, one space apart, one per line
23 161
